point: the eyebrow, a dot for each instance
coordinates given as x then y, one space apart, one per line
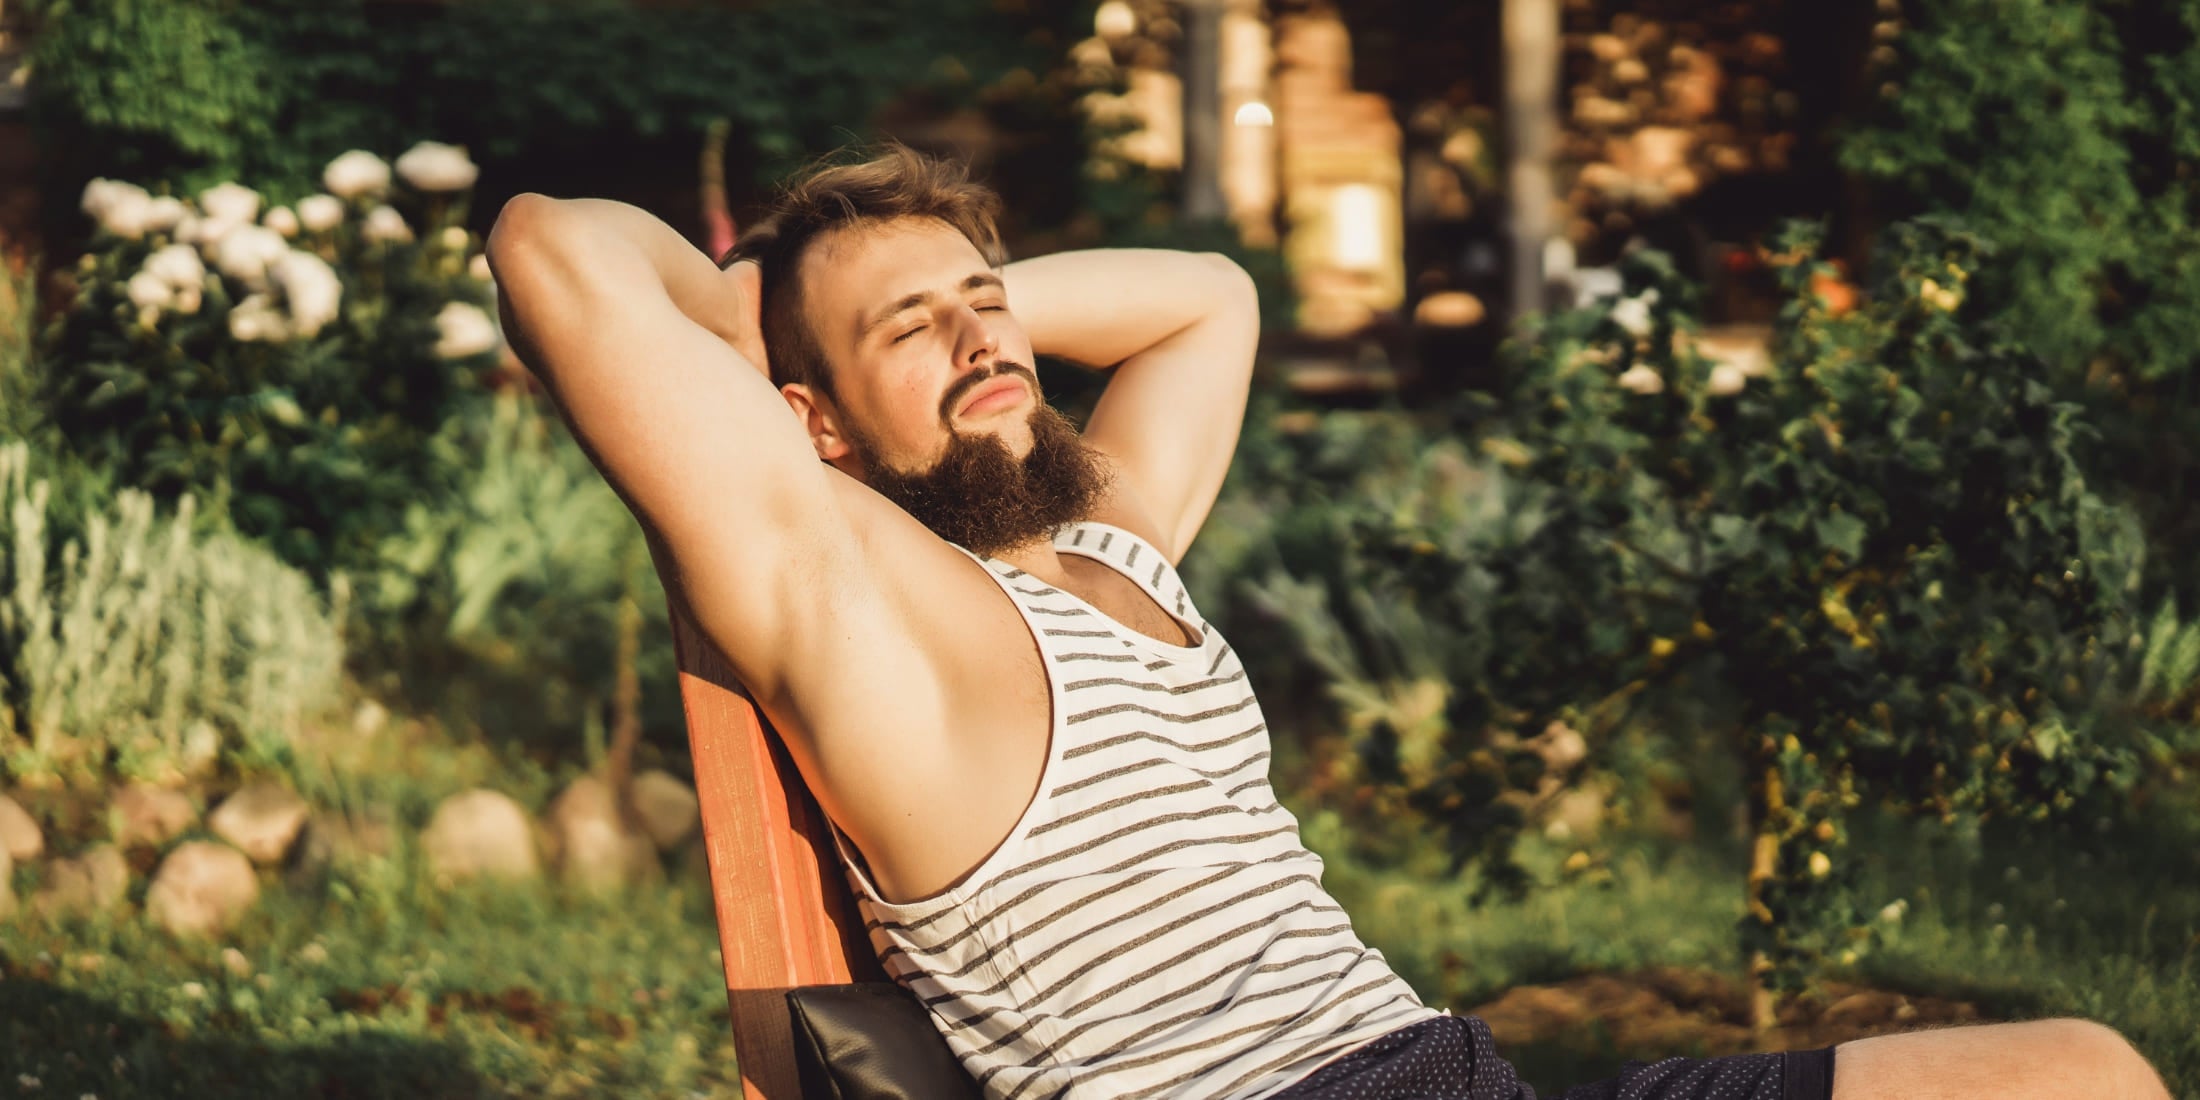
912 301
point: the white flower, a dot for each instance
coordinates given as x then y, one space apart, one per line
177 265
1640 379
187 300
320 213
1894 911
1727 380
464 329
453 238
282 220
165 213
123 209
230 202
310 287
149 291
257 320
1633 314
478 267
384 225
244 253
356 173
434 166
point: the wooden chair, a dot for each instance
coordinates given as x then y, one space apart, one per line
785 915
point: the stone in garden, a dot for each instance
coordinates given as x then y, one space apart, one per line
18 833
147 815
337 839
596 849
262 820
202 887
94 882
668 808
480 832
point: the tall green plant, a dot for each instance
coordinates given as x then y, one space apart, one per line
145 649
525 577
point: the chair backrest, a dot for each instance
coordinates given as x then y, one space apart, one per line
785 916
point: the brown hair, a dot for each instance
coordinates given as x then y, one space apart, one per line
892 181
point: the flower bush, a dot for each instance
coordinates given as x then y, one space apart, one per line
286 365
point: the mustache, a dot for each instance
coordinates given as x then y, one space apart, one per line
962 386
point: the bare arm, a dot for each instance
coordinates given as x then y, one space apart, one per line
1180 329
634 333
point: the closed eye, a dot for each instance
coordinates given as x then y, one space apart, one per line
908 334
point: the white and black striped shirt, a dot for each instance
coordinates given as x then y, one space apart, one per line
1152 926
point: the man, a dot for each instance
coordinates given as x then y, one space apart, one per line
963 618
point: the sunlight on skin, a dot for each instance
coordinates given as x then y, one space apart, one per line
2038 1060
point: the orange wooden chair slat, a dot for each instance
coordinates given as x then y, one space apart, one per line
785 916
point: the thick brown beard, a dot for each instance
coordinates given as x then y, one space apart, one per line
980 497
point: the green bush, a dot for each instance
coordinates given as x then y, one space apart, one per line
1883 546
289 369
514 581
2068 134
199 91
145 649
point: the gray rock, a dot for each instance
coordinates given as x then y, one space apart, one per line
144 814
201 888
480 832
19 834
668 808
94 882
595 848
262 820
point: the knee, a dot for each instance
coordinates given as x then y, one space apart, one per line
2099 1053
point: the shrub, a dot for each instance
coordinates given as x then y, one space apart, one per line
1883 546
145 649
287 369
517 580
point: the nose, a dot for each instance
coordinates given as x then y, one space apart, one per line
976 344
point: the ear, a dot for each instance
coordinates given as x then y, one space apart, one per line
820 418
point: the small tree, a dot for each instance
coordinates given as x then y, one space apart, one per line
1882 544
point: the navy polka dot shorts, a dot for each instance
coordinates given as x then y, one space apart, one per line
1454 1058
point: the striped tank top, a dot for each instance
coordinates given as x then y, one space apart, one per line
1152 926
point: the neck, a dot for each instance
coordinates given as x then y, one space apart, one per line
1037 558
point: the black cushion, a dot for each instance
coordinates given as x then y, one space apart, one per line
871 1041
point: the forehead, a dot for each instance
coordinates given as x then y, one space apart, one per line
854 272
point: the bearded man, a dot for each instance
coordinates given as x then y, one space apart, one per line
962 616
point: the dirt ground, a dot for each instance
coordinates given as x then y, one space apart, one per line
1584 1028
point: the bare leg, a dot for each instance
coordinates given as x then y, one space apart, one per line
2040 1060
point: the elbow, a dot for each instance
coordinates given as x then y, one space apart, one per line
1235 291
523 223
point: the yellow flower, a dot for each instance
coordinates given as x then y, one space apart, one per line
1661 648
1820 866
1577 863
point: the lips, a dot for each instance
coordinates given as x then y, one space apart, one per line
996 387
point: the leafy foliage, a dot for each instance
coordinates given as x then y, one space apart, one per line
300 408
1886 547
196 90
508 579
144 649
2068 133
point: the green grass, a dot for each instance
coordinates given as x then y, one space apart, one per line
374 984
2023 922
